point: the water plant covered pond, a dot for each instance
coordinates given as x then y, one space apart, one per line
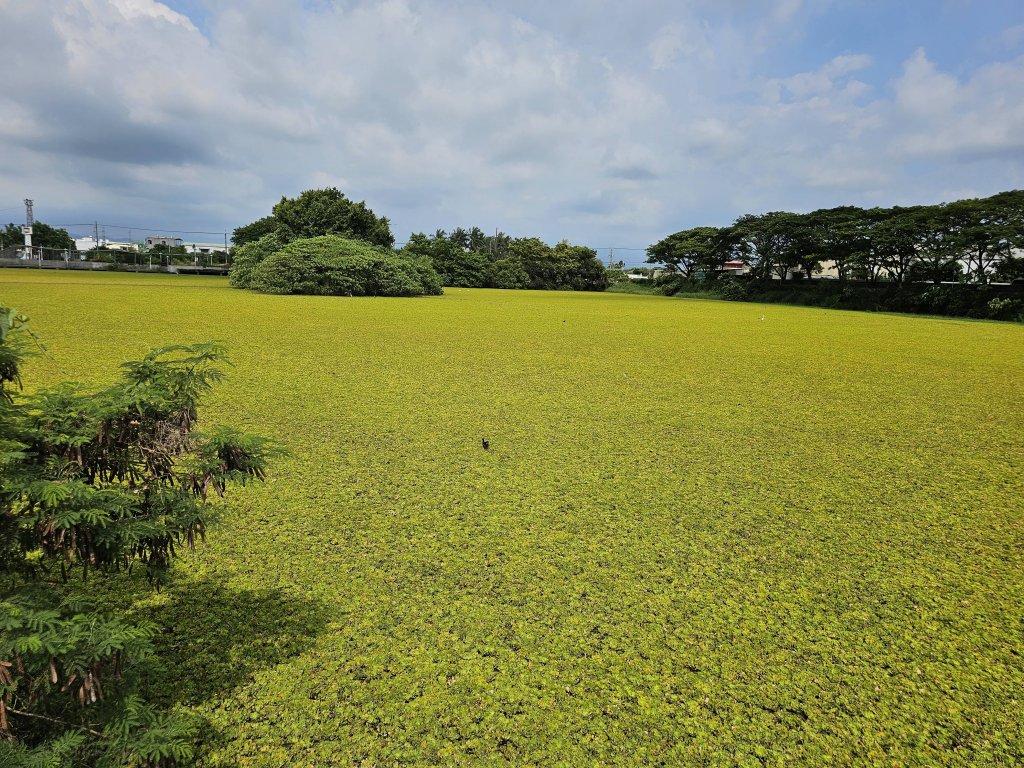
704 532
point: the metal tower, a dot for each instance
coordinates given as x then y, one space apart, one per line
27 229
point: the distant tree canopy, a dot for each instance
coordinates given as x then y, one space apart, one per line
967 240
43 236
465 258
331 266
701 249
250 233
471 259
1010 269
318 212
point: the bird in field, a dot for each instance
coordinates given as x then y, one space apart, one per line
485 443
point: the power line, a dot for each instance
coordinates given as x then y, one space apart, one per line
147 229
171 231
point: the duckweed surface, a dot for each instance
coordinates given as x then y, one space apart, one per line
704 534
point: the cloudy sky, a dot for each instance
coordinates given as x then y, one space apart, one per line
608 123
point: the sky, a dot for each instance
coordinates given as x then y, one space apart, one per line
608 124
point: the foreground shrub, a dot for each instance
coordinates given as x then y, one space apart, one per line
336 266
95 482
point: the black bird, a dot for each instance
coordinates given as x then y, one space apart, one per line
485 443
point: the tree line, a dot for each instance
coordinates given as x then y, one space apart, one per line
462 258
972 240
471 259
43 236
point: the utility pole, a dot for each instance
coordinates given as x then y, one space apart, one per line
96 235
27 229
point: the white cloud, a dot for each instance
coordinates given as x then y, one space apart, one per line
923 89
146 9
679 42
939 117
824 80
588 120
1013 35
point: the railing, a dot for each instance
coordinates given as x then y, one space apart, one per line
10 258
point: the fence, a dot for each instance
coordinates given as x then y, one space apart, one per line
119 261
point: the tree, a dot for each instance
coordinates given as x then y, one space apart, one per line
769 245
43 236
866 261
95 481
935 272
318 212
250 233
478 240
457 265
803 245
1009 269
472 259
565 267
841 236
896 236
938 237
587 271
986 230
701 249
507 273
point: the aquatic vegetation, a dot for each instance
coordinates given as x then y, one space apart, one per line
703 533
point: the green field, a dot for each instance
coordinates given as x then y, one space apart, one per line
706 533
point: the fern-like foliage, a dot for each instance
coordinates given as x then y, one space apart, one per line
91 481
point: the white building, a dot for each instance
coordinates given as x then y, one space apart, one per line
88 243
204 248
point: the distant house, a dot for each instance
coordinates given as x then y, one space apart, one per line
88 243
170 242
734 267
204 248
829 271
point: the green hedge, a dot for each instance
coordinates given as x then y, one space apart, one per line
994 302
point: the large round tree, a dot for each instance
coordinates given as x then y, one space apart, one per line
319 212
